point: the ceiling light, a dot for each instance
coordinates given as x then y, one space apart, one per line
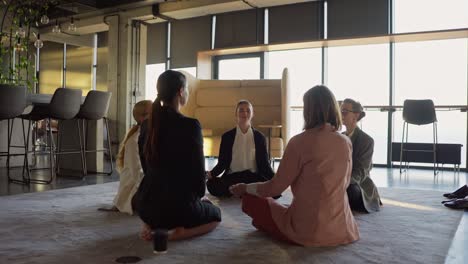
56 28
18 46
38 43
44 19
72 26
21 32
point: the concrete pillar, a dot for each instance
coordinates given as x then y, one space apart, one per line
126 71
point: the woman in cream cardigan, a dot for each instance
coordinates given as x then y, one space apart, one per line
317 165
128 162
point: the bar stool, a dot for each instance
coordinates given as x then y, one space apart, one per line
95 108
419 112
12 105
65 105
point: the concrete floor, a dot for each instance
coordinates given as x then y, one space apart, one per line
446 181
383 177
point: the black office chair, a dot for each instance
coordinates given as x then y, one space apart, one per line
95 107
65 105
419 112
12 105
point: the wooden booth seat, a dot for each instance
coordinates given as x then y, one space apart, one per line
213 103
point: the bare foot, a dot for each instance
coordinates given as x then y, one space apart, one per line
145 233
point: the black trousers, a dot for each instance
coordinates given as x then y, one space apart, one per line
219 186
355 198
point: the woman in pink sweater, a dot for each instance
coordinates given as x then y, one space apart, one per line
317 165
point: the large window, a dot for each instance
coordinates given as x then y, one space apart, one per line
239 67
305 71
51 67
429 15
434 70
79 61
431 69
362 73
152 73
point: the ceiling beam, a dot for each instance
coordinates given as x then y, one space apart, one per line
81 41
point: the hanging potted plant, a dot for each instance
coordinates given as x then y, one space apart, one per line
18 30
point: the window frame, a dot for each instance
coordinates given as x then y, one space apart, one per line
217 59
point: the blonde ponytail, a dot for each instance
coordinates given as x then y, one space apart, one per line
121 155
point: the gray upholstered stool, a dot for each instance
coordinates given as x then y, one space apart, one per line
95 107
419 112
65 105
12 104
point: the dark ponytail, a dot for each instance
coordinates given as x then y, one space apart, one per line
169 84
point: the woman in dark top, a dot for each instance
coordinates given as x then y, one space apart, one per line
170 196
242 156
363 195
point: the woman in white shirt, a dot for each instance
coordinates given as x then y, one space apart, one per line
242 157
128 162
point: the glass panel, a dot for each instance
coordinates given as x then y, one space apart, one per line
152 73
305 71
446 121
51 61
238 69
297 122
79 66
102 68
427 15
375 125
362 73
304 67
434 70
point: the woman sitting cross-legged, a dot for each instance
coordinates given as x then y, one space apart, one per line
363 195
170 197
317 165
128 162
242 157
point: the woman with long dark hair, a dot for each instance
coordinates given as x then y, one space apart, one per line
170 198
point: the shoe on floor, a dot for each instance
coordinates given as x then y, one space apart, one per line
462 192
447 201
457 204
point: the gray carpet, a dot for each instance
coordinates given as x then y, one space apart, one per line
63 226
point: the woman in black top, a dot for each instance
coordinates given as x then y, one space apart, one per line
171 194
242 157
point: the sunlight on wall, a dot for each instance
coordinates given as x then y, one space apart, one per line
152 73
50 76
79 67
